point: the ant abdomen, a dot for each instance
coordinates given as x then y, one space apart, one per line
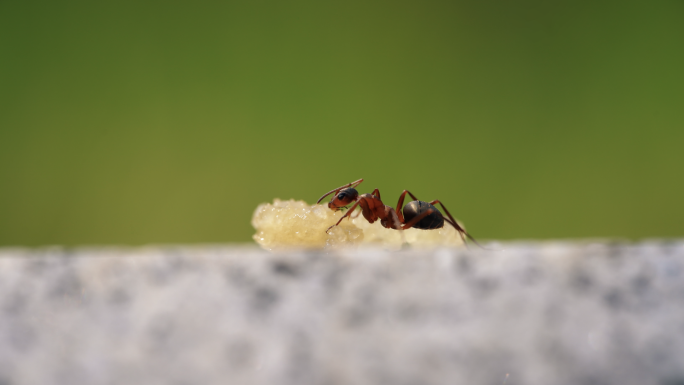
432 221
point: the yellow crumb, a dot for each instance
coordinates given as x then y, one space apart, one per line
296 224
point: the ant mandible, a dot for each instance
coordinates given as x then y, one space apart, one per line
417 214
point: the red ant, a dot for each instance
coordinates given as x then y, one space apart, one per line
417 214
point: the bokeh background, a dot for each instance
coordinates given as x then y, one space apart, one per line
136 122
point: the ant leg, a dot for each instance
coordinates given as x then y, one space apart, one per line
345 215
457 227
401 203
352 184
461 230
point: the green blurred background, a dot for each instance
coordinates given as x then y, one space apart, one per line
144 121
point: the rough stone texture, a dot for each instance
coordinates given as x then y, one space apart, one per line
549 313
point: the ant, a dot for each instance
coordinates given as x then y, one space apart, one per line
416 214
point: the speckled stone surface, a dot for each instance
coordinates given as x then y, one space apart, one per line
531 313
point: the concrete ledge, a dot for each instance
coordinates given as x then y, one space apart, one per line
534 313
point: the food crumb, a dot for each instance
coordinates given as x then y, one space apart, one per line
296 224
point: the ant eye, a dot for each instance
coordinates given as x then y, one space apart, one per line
341 196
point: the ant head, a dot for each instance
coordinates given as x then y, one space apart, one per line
343 198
